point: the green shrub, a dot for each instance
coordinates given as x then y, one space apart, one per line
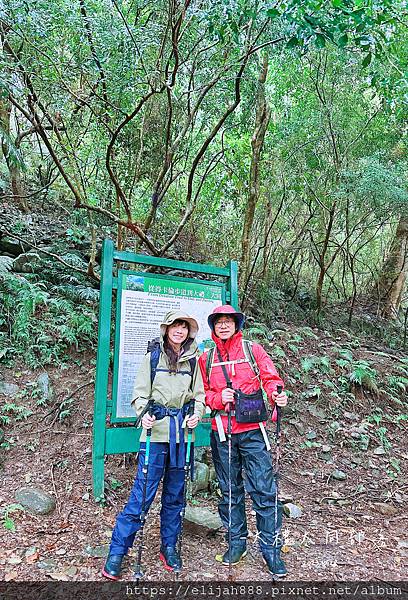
39 324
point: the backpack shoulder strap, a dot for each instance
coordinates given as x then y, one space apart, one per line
193 363
209 362
154 360
249 355
151 344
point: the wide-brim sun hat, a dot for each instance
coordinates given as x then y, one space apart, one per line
179 315
226 309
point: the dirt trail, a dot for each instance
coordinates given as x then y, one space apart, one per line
350 529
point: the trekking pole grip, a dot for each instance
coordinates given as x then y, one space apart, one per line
229 386
190 414
149 412
279 389
148 436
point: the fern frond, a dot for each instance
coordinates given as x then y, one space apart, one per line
307 331
79 292
324 364
278 352
345 354
363 375
308 363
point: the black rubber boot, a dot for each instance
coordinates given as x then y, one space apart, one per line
113 566
238 552
170 558
274 562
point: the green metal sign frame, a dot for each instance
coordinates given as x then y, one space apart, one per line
109 439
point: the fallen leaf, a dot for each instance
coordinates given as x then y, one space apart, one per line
32 558
50 546
10 576
58 576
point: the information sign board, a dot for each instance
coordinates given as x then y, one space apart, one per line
142 300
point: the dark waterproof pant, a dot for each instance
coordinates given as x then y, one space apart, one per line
128 521
248 453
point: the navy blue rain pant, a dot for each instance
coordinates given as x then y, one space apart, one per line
128 521
248 452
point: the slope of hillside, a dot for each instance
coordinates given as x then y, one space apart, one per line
344 464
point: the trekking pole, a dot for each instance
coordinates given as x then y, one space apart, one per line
279 389
186 472
229 433
138 568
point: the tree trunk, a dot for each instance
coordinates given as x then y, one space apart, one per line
323 265
16 184
263 115
391 282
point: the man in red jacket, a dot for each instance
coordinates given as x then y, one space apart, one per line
226 369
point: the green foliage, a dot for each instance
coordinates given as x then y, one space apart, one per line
293 348
316 363
312 392
382 185
397 383
114 483
394 468
381 433
308 444
39 325
308 363
10 411
358 371
307 331
363 375
345 354
7 521
257 331
278 352
332 169
101 501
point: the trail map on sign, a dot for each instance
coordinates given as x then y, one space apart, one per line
143 302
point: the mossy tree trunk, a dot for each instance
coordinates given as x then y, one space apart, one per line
16 183
393 276
263 115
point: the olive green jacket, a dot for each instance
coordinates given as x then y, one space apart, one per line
172 390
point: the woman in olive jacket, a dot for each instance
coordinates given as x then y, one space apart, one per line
162 399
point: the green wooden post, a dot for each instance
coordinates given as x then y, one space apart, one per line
102 368
233 283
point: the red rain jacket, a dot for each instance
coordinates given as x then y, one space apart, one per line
244 378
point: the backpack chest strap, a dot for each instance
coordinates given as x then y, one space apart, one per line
174 372
230 362
249 358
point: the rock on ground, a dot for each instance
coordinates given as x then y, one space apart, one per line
201 520
35 500
8 389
